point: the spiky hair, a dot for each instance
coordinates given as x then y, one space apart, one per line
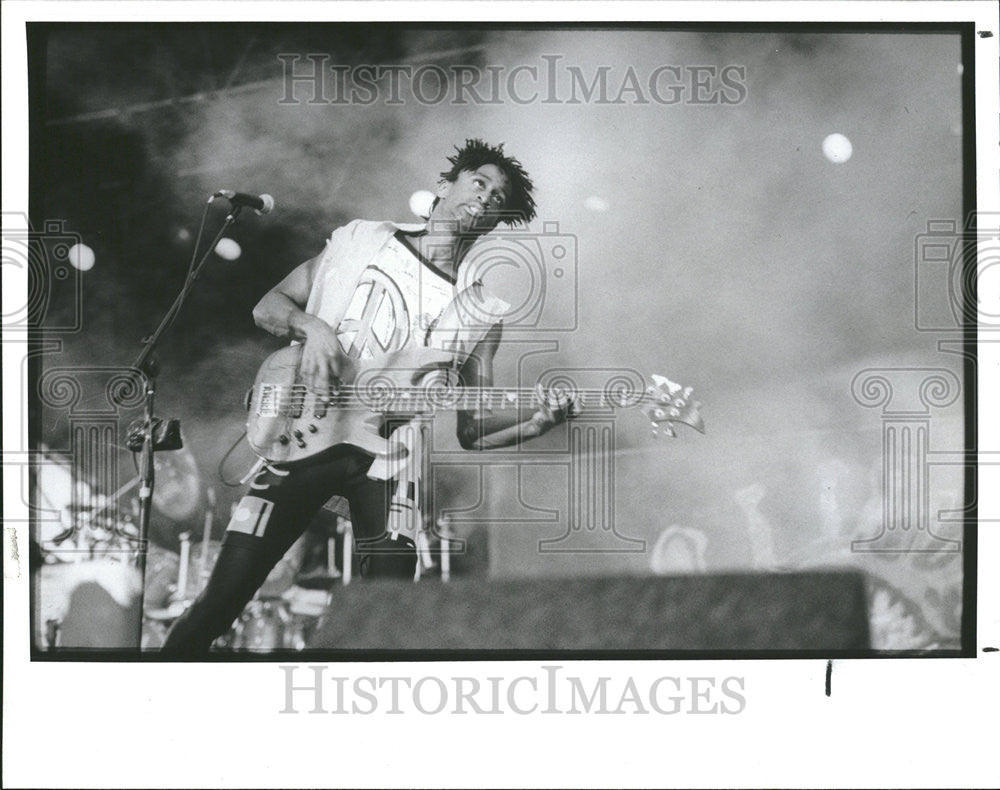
520 206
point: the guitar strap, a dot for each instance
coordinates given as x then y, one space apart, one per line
261 463
407 460
455 332
405 515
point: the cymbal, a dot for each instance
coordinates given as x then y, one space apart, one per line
319 579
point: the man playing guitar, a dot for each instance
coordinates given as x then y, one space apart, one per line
377 293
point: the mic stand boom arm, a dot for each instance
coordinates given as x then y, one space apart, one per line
148 365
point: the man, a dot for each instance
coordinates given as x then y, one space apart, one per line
377 289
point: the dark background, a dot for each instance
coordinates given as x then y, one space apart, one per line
715 243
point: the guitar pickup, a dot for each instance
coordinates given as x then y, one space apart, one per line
267 406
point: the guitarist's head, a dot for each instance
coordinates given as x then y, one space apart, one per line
483 188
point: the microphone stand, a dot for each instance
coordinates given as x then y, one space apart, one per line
149 366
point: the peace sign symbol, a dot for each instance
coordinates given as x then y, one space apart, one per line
384 325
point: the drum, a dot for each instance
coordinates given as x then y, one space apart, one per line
161 577
267 624
92 604
154 633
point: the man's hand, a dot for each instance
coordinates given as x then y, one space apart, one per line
281 312
323 363
555 407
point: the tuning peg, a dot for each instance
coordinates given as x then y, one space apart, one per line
663 381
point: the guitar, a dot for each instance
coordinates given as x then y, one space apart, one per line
288 421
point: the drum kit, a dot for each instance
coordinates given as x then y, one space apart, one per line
84 536
281 616
95 540
276 619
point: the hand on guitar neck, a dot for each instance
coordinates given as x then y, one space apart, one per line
554 408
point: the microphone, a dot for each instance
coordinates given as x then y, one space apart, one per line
262 204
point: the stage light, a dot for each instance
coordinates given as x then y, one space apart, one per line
837 148
595 203
228 249
420 203
81 257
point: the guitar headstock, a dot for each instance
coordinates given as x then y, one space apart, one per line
668 402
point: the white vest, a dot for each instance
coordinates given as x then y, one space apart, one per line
355 247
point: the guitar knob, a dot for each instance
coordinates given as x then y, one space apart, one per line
297 434
283 439
659 414
300 443
312 428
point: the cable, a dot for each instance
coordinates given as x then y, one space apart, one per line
225 458
197 241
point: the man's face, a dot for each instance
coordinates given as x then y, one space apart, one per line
475 200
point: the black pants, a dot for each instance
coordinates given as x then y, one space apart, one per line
270 518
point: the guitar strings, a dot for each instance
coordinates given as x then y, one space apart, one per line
282 399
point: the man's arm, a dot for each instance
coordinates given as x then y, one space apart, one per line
281 313
481 429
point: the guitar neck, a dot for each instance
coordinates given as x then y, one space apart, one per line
417 399
288 420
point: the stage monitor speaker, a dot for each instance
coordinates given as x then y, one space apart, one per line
728 613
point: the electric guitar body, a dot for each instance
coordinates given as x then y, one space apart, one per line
288 421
